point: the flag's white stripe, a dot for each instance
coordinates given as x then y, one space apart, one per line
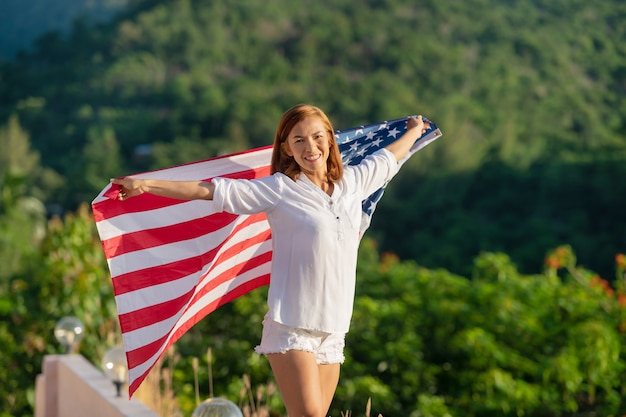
146 335
156 294
249 253
159 255
223 289
137 371
161 293
155 218
206 169
431 136
164 254
177 251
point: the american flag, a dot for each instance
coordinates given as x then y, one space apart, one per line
172 262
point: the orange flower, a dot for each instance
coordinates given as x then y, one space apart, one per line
388 259
553 262
596 281
620 260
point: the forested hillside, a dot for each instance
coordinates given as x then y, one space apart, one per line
531 99
529 95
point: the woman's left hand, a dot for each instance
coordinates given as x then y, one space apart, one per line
415 128
418 124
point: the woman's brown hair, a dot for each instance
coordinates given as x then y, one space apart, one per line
281 162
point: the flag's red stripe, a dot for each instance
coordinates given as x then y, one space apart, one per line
150 238
155 313
110 208
138 356
243 289
148 277
163 311
135 358
168 309
240 268
132 387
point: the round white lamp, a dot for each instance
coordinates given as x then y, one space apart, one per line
115 367
217 407
69 332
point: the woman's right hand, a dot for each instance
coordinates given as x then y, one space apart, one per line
129 187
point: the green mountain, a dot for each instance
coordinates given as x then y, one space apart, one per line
529 95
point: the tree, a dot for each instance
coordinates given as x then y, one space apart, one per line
22 215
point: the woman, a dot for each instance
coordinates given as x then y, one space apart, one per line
313 206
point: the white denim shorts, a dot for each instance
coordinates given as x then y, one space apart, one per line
278 338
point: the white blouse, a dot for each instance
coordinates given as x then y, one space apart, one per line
315 238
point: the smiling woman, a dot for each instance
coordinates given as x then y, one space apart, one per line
313 206
303 126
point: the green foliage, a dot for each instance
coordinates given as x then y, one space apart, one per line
23 184
66 276
423 342
530 96
502 344
446 220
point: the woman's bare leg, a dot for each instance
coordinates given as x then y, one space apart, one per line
306 387
329 378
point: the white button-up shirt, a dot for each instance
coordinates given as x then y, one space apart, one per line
315 238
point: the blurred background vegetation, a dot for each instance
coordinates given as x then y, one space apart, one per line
476 294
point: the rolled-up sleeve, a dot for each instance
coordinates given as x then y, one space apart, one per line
240 196
375 170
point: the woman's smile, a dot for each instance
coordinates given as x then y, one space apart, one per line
308 144
313 157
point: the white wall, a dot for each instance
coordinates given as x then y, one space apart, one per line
70 386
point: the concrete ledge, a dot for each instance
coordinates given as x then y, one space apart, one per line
71 386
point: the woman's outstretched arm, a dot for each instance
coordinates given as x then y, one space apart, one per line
181 190
415 128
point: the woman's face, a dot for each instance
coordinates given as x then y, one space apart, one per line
309 143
